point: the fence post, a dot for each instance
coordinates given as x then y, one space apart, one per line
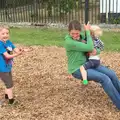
107 11
86 11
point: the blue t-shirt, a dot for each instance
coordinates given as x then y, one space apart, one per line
6 64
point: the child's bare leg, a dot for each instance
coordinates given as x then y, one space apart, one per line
9 92
9 95
7 79
84 75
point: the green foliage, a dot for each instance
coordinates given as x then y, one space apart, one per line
66 6
115 20
61 6
16 3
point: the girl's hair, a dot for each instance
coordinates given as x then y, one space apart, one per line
96 30
3 27
74 25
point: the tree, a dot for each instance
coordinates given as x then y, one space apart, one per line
66 6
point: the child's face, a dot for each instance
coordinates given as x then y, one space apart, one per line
75 34
4 34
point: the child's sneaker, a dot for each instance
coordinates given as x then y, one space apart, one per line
85 82
12 102
6 96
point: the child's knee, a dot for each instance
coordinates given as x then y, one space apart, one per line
82 68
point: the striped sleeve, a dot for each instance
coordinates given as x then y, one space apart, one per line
99 44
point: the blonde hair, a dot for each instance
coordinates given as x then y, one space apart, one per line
4 27
96 30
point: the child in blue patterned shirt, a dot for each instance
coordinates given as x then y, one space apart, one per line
6 58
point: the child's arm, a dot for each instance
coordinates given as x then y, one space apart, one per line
17 50
8 56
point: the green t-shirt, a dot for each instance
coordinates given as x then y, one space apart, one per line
75 51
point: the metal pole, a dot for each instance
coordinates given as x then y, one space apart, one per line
107 11
86 11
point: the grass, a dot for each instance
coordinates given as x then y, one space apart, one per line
111 41
35 36
50 37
